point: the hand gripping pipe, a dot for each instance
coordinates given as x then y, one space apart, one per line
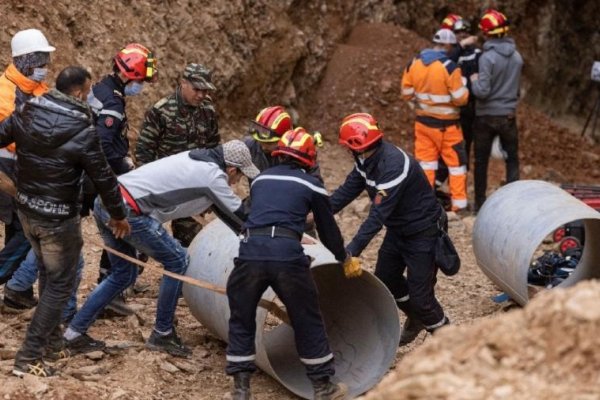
514 221
360 315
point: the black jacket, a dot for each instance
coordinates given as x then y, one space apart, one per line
401 196
56 142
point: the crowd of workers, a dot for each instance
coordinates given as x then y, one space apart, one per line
67 151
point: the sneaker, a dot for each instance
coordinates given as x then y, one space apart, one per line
57 355
36 368
330 391
19 300
410 330
170 343
84 344
117 308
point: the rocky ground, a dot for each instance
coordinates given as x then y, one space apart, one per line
482 356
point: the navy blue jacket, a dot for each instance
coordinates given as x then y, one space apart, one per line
282 196
111 122
401 196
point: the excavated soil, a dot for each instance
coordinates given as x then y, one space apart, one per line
540 352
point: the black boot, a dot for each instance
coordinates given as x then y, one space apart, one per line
446 322
412 326
241 386
19 300
325 390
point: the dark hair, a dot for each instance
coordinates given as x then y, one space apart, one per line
72 78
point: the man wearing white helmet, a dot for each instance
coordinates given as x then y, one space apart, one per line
22 79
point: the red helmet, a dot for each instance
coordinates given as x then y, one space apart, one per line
270 124
299 144
359 131
455 23
137 63
493 23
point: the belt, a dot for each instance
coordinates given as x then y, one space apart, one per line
129 200
273 231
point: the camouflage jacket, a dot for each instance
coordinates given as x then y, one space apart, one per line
171 127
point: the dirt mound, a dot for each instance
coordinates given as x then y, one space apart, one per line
546 351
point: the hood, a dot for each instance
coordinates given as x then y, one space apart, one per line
428 56
54 118
214 154
503 46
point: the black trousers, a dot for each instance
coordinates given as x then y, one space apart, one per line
415 256
57 245
294 285
487 128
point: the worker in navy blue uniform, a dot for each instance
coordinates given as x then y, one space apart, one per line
271 255
132 67
403 202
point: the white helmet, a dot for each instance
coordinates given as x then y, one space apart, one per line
29 41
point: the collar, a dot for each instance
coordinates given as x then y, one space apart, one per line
25 84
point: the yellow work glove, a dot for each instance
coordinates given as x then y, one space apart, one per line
352 267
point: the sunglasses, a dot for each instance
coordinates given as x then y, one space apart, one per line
261 132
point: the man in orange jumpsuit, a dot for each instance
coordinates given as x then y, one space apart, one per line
434 83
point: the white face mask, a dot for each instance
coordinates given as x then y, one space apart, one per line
39 74
134 88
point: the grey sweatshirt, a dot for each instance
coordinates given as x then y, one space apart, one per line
497 89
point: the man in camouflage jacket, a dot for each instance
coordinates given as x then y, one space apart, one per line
182 121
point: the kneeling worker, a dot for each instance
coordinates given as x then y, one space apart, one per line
271 255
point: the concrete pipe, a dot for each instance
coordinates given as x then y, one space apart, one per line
514 221
360 315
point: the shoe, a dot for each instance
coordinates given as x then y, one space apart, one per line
117 308
446 322
57 356
241 386
84 344
170 343
410 330
326 390
36 368
19 300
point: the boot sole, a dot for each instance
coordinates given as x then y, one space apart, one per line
174 353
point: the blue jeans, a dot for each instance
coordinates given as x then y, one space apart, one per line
148 236
27 273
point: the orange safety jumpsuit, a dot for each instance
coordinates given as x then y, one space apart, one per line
435 83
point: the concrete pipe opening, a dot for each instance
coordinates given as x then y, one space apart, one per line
512 225
360 315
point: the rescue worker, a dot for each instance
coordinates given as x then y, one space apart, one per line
271 254
56 142
404 203
185 120
496 88
466 55
434 82
133 66
173 187
23 79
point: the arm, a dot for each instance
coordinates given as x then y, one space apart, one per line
482 84
108 126
147 144
458 91
350 189
408 89
226 204
213 137
329 232
98 170
6 131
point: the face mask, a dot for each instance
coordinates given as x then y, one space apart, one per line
39 74
134 88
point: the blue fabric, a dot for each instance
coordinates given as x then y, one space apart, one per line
429 56
27 273
149 237
112 130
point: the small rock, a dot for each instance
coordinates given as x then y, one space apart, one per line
186 366
83 372
203 353
95 355
167 366
35 384
7 354
118 394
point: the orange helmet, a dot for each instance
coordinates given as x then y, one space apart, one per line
137 63
359 131
270 124
493 23
455 23
299 144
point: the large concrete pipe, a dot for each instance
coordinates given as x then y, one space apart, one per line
360 315
514 221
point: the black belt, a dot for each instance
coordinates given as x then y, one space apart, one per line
273 231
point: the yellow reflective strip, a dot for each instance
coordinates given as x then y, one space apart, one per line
129 51
278 120
303 139
360 121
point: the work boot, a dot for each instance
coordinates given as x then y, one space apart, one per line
19 300
410 330
446 322
326 390
117 308
170 343
241 386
